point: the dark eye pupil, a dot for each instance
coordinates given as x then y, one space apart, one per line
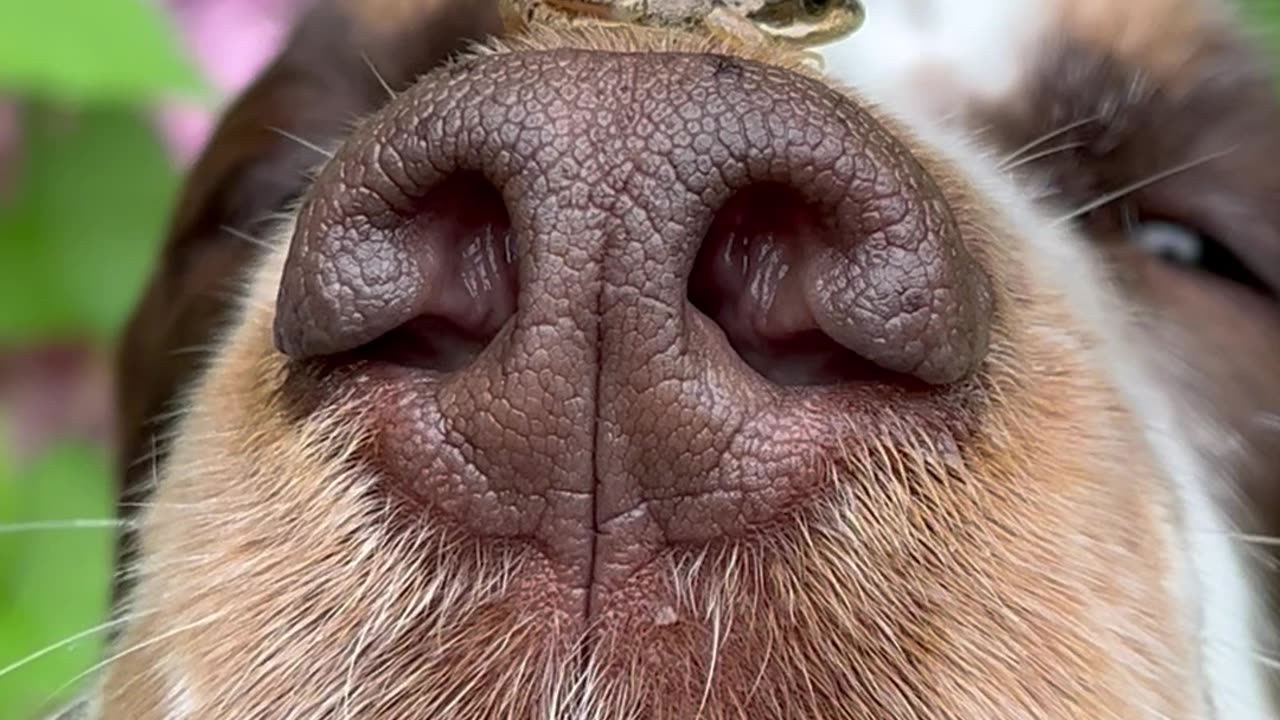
1220 261
1183 246
815 7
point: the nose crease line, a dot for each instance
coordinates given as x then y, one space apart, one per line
626 93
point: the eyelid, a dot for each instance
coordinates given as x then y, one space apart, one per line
1231 216
1211 256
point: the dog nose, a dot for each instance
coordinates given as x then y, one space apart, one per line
792 218
618 288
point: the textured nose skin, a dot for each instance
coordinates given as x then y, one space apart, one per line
604 418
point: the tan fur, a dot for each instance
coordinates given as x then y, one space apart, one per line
1011 576
1169 38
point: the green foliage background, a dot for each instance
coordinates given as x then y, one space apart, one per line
77 233
76 241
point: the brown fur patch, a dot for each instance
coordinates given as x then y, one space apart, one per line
390 16
1171 39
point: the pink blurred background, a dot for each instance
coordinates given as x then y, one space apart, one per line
62 390
230 41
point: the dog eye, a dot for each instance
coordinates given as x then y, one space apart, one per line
1169 241
1185 246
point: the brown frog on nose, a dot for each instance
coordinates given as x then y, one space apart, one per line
797 23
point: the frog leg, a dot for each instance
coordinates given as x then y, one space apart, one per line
727 25
733 27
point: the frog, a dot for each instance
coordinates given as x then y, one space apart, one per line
799 24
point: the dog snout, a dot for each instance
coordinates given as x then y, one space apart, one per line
618 289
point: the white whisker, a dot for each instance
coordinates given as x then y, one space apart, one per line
1052 134
1268 420
205 349
1136 186
1264 659
19 664
72 524
135 648
381 80
1267 661
165 416
302 141
1264 540
1040 155
242 235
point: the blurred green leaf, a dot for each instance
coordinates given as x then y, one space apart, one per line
1267 10
56 580
79 237
91 51
1262 20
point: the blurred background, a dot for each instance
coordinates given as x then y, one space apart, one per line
102 105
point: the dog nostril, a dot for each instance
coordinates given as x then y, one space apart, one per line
430 292
749 278
465 234
803 307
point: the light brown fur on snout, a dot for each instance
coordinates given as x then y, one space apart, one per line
1021 570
